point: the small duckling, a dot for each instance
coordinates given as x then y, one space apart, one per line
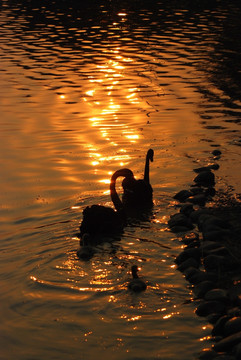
136 284
85 251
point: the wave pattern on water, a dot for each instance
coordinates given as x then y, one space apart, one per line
85 91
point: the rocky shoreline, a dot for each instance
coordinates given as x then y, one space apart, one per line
211 259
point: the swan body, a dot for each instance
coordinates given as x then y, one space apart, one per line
98 219
136 284
138 194
101 220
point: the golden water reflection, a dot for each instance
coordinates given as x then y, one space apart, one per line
106 98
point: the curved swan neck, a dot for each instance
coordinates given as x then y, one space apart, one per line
134 270
113 193
149 157
114 196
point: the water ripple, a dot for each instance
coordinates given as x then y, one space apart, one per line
85 91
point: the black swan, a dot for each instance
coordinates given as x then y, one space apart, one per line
136 284
85 251
138 194
99 221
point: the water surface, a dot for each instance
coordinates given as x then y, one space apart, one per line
84 92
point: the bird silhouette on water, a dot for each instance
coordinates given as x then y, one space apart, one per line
86 250
136 284
98 220
138 193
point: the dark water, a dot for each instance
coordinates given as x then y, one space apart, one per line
84 90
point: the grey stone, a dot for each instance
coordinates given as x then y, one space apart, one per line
198 277
238 351
199 199
234 312
210 192
194 244
232 326
212 319
186 209
206 246
228 342
202 288
216 152
221 250
182 195
217 235
180 220
194 216
214 166
179 229
188 272
205 178
210 307
234 293
217 294
218 328
191 262
207 221
207 354
196 190
189 238
214 262
224 357
188 253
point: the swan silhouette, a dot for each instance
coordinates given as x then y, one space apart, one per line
99 221
138 194
136 284
85 251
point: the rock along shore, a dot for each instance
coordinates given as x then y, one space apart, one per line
210 224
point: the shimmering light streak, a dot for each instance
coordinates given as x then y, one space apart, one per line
132 137
90 92
171 314
105 181
95 163
205 338
134 318
105 107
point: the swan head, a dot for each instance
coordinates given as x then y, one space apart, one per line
136 284
150 154
85 239
85 251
